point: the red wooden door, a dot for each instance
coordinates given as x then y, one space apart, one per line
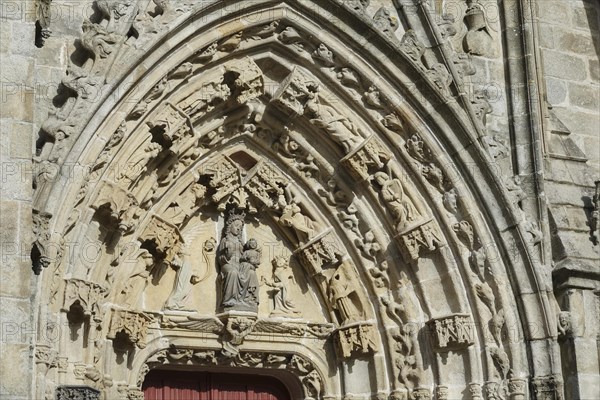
181 385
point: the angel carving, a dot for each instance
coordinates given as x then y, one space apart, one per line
392 193
138 280
282 275
304 227
338 127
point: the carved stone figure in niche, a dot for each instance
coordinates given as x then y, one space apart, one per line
238 263
450 200
183 279
138 280
138 164
392 193
282 275
478 39
44 17
304 227
342 293
338 127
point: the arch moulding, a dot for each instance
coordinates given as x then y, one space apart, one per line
246 185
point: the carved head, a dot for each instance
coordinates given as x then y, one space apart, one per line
234 227
280 262
251 244
381 178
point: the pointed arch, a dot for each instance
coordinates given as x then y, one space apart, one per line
369 145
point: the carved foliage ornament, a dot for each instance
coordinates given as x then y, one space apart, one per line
77 392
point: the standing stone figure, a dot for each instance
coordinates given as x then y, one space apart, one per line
131 294
396 200
238 263
338 127
183 283
304 227
340 292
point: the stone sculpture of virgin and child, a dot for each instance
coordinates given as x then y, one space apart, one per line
238 263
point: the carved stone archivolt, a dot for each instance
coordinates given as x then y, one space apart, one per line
267 188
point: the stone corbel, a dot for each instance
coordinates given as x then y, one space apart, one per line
369 157
89 295
238 325
420 237
454 332
40 253
122 204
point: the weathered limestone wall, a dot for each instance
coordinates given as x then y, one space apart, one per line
570 45
29 79
18 60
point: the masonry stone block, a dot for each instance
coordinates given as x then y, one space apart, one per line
23 39
585 96
574 42
564 66
557 12
556 90
15 366
595 71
